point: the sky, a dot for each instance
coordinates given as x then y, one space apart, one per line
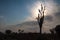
13 12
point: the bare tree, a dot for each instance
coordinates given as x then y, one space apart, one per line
41 19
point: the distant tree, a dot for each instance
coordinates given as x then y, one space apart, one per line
52 31
57 29
20 31
8 31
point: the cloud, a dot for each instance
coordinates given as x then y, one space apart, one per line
1 16
49 18
52 18
57 15
51 8
3 20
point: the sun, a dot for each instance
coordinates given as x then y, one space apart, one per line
35 10
50 9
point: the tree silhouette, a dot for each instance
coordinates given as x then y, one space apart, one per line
20 31
8 31
40 20
52 31
57 29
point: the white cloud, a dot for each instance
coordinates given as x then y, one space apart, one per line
33 9
51 9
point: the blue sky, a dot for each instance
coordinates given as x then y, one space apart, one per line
15 11
57 1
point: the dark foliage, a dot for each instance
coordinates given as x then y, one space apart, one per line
8 31
30 36
57 29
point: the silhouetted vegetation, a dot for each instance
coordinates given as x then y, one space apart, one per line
40 19
20 31
8 31
9 35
